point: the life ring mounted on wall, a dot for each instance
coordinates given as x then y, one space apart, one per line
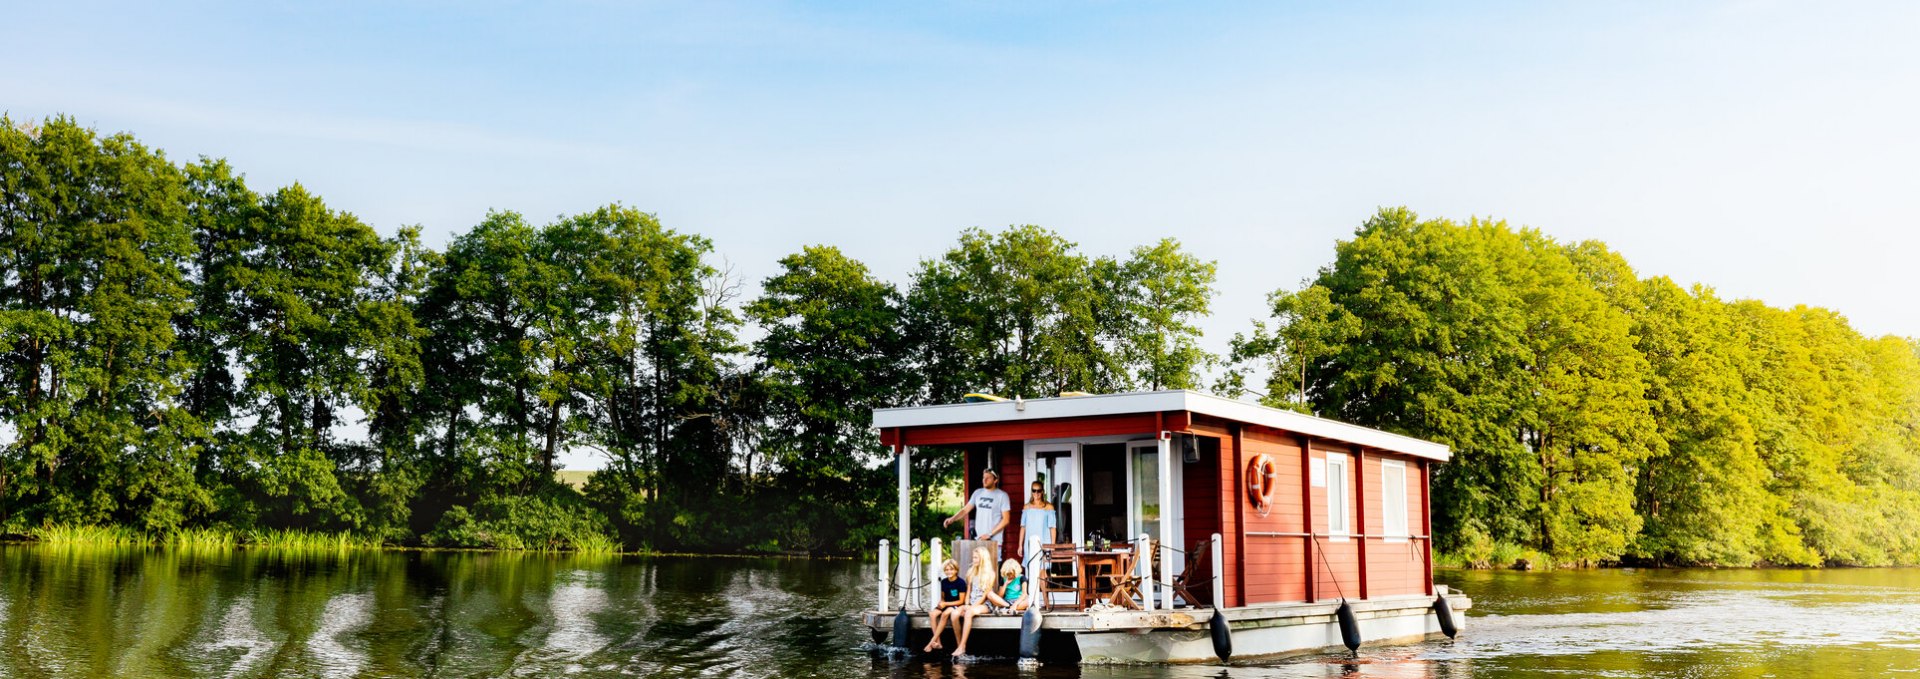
1262 477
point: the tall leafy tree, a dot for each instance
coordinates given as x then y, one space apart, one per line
93 242
1495 342
1705 497
1165 291
300 289
833 350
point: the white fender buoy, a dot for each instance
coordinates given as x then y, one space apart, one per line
1030 634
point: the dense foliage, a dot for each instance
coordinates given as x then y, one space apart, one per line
183 356
1597 416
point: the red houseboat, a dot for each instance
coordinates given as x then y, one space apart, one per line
1179 513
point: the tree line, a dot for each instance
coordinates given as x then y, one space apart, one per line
1598 416
180 352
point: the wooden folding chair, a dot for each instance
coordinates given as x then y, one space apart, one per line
1061 573
1122 583
1189 583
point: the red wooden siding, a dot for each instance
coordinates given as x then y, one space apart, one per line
1266 558
1200 504
1393 567
1275 566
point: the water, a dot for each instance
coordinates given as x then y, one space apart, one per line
92 612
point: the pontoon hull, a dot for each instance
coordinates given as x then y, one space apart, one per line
1181 636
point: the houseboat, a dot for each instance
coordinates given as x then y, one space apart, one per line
1191 528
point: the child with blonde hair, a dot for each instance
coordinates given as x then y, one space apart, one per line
980 585
1012 597
952 589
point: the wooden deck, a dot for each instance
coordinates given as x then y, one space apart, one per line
1267 615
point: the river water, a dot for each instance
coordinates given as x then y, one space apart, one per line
97 612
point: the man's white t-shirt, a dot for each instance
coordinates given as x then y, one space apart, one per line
989 504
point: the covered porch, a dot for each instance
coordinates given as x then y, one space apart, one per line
1132 490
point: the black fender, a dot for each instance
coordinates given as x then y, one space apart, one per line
1349 626
902 624
1444 611
1222 635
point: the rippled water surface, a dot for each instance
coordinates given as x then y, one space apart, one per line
91 612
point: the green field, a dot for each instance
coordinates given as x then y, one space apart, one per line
574 477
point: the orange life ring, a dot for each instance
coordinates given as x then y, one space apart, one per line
1262 476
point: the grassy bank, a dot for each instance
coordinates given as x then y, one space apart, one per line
1495 555
288 539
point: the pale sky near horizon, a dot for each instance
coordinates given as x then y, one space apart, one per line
1766 149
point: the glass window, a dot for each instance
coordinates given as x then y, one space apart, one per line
1146 485
1393 488
1339 488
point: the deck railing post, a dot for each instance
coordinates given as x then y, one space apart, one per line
886 579
1143 557
1219 573
1170 511
933 572
903 458
912 562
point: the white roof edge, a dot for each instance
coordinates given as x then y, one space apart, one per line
1157 401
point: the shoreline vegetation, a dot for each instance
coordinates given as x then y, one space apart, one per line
200 363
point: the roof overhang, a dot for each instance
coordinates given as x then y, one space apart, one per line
1156 402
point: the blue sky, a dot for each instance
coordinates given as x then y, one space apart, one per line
1765 148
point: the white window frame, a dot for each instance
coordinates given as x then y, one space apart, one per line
1390 494
1343 480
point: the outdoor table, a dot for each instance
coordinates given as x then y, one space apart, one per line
1095 564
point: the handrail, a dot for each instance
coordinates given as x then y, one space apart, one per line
1274 534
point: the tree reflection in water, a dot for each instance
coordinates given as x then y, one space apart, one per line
114 612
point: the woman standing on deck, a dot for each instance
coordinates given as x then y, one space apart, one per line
1037 520
980 582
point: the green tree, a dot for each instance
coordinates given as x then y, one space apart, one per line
93 242
832 352
300 290
1308 328
1705 497
1165 291
1496 343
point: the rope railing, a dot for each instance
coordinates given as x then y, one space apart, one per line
1161 577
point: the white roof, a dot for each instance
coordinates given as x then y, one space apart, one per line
1157 401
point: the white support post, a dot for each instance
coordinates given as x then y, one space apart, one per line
1219 573
904 460
934 572
1030 556
912 560
1169 513
886 580
1143 560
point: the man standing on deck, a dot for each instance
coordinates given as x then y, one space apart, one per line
991 510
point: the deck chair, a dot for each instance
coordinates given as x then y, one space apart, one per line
1061 574
1194 584
1120 586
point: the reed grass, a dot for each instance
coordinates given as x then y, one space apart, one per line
595 543
287 538
281 539
107 536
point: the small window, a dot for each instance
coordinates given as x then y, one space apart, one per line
1339 507
1393 501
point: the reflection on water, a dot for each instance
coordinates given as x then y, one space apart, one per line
95 612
